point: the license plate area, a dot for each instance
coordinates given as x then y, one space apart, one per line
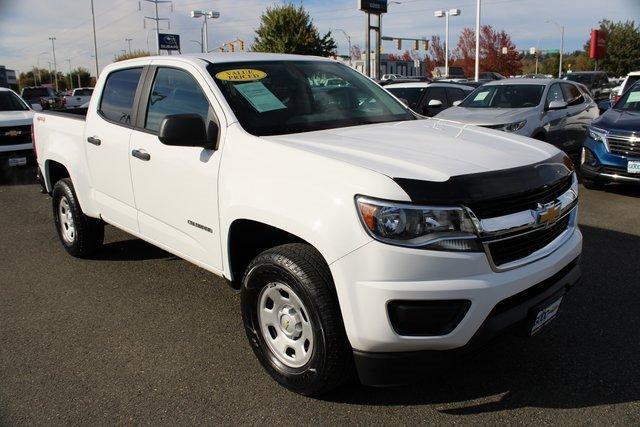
17 161
543 314
633 166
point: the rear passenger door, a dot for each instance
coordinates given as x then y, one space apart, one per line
107 146
434 94
176 187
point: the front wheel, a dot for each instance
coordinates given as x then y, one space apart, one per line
79 234
293 321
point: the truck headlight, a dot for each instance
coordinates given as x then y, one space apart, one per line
598 134
514 127
429 227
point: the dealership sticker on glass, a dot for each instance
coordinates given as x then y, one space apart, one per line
633 97
261 98
481 96
241 75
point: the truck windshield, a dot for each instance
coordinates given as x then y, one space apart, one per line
82 92
504 96
282 97
10 102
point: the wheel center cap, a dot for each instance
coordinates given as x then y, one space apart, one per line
290 322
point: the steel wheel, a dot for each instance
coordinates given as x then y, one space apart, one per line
285 325
67 224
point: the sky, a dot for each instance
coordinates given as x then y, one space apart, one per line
26 25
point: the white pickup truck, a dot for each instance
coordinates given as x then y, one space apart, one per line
78 97
363 238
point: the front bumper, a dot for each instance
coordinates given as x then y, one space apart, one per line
600 165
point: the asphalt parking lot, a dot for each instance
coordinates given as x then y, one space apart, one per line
139 336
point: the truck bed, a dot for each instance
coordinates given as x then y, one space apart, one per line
72 113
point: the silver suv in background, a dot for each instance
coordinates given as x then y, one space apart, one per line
551 110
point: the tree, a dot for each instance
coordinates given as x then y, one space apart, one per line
491 56
406 56
623 47
436 51
134 54
42 77
289 29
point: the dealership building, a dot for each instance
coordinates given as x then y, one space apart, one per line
8 78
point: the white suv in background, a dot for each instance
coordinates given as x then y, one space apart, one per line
16 118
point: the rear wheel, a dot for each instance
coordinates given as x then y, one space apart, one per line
293 322
79 234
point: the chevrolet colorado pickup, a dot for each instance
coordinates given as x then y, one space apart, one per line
363 238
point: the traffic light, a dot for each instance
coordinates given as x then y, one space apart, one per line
415 45
399 44
425 44
241 45
232 47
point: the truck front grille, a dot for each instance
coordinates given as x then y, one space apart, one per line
13 135
520 202
624 145
518 246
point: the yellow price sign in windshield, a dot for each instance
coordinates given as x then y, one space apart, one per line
241 75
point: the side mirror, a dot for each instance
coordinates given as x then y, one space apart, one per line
187 130
36 107
557 105
456 103
435 103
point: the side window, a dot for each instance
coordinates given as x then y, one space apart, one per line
174 92
118 94
572 94
437 93
554 94
456 94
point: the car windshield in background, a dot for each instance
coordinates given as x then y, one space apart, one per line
410 94
10 102
585 79
281 97
630 101
504 96
83 92
35 92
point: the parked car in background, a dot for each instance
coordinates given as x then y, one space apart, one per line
361 239
391 77
454 73
555 111
628 81
16 119
77 97
490 75
596 81
429 99
43 96
611 151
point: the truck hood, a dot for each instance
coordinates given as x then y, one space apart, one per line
486 116
16 118
613 120
430 149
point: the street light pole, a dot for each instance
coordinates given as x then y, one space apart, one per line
561 27
70 79
477 66
445 14
95 43
55 65
206 14
129 42
38 62
348 41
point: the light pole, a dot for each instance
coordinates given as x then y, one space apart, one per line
445 14
70 79
348 40
206 14
561 44
38 62
95 43
129 43
55 65
477 66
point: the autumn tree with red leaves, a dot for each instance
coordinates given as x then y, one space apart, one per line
491 56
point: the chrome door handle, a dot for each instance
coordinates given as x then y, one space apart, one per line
94 140
141 154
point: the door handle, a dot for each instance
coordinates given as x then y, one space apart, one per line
93 140
141 154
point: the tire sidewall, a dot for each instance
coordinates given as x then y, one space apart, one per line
63 189
299 379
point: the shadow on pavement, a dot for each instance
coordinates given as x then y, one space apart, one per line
588 357
623 189
22 175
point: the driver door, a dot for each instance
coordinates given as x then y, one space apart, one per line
555 120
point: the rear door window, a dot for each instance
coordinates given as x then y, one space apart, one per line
571 94
437 93
118 94
554 94
456 94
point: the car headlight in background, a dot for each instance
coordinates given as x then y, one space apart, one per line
428 227
598 134
514 127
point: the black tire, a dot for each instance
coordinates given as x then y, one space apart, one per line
301 268
89 232
592 185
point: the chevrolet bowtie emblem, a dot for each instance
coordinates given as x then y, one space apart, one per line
13 133
547 214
